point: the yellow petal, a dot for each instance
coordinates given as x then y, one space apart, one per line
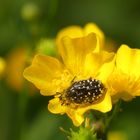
122 95
77 31
107 67
71 31
104 106
75 116
42 71
123 86
128 60
91 27
55 106
74 51
100 65
124 82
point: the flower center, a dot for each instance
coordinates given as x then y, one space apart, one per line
84 92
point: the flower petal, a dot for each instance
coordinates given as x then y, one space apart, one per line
100 65
122 95
123 86
77 31
104 106
72 32
76 118
91 27
74 51
42 71
124 82
107 67
128 60
55 106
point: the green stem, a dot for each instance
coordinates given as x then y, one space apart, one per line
22 108
113 115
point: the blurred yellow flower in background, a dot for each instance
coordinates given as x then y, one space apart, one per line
16 60
124 82
78 81
116 135
2 66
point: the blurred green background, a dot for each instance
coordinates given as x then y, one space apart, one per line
26 22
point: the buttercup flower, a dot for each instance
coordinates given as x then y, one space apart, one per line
124 82
16 62
15 66
77 81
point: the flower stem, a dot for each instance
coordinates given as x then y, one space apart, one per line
115 111
22 107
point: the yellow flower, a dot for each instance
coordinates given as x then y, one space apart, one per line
15 66
2 66
116 135
77 31
124 82
77 81
16 62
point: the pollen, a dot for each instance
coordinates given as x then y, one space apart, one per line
84 92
